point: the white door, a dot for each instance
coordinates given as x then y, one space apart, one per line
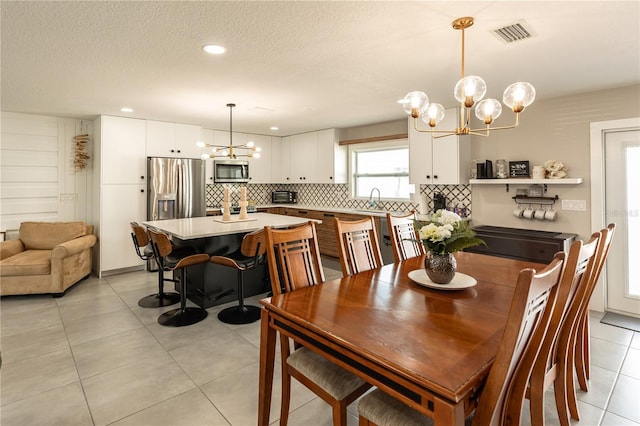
622 206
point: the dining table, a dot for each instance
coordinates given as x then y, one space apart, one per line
430 346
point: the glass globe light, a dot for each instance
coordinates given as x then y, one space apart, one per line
250 144
518 96
205 156
414 103
488 110
470 89
256 155
200 144
224 153
257 149
433 114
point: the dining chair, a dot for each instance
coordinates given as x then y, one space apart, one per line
144 250
173 259
294 262
358 246
248 256
558 347
583 350
501 399
405 240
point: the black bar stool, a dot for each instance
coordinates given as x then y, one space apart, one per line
145 252
170 259
250 255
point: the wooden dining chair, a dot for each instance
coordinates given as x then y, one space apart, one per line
501 399
557 349
358 246
405 240
294 262
583 349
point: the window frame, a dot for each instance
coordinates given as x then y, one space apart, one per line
393 144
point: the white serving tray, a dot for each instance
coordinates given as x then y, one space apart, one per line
460 281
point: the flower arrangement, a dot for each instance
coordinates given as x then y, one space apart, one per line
446 232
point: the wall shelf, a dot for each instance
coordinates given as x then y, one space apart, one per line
526 181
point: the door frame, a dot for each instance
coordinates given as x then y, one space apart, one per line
598 131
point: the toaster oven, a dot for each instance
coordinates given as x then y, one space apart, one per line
284 197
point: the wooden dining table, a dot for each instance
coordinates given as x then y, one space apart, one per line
430 348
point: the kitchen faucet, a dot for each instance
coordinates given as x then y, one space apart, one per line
373 204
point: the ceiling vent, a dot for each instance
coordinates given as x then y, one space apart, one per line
514 32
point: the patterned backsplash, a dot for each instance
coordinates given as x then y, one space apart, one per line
458 197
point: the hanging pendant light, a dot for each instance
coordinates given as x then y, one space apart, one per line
469 91
248 149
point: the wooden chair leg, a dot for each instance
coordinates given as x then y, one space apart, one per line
586 345
572 398
286 385
363 421
560 394
536 401
580 361
339 411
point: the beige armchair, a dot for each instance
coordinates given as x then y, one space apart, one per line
47 257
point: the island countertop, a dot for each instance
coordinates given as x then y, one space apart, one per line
211 226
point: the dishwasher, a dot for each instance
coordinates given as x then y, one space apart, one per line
385 243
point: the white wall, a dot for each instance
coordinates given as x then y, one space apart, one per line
556 129
38 180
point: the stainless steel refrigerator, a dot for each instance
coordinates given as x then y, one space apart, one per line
175 188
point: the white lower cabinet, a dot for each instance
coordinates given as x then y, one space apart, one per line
121 205
442 161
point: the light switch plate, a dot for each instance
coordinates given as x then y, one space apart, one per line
575 205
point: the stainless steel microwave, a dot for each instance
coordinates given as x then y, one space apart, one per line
230 171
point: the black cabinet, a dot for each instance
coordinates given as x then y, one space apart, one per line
521 244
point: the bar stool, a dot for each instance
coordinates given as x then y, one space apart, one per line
250 255
167 260
144 250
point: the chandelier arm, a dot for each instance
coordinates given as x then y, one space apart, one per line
513 126
415 126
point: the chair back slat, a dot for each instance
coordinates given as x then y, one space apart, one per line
405 240
294 258
526 326
161 245
358 245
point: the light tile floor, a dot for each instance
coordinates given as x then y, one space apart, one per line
93 357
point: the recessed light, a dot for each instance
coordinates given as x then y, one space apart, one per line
275 128
126 109
214 49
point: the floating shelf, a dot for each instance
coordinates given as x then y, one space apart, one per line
526 181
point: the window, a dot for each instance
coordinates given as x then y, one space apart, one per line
382 165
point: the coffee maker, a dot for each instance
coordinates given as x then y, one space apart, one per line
439 201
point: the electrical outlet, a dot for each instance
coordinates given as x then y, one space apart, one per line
575 205
68 197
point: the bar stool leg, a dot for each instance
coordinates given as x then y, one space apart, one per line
184 315
241 314
161 298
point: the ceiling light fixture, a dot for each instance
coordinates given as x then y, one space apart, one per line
468 91
126 109
214 49
248 149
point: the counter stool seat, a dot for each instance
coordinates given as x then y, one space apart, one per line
250 255
170 258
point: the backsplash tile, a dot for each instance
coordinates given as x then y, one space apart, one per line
335 195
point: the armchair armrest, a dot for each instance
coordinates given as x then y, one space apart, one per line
76 245
10 248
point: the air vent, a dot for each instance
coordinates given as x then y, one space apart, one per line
514 32
261 109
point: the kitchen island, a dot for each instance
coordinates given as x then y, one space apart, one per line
208 284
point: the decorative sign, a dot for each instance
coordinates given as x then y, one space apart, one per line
518 169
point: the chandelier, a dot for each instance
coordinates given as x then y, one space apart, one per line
469 91
248 149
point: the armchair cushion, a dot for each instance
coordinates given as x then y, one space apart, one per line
47 235
32 262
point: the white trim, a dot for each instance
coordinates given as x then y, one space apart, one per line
598 130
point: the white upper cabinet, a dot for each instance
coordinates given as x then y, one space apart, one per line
122 150
303 161
280 159
173 140
441 161
260 168
332 158
206 136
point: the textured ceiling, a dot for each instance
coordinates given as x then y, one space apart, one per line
299 65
